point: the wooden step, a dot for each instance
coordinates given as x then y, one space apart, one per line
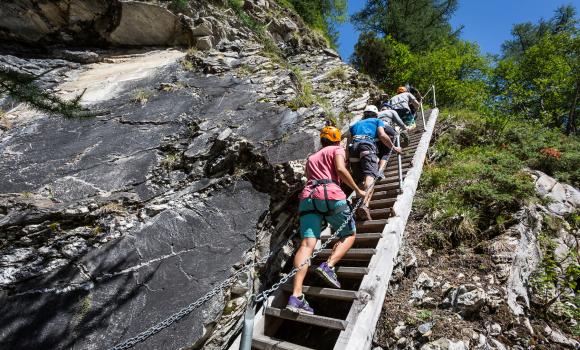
392 178
370 226
379 187
263 342
326 322
382 203
396 171
381 214
360 237
328 293
353 253
351 272
385 194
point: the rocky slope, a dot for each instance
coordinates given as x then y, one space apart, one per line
496 293
108 224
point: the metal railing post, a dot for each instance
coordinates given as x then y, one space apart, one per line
423 116
248 329
399 163
434 99
249 315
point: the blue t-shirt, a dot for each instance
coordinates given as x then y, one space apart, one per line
367 127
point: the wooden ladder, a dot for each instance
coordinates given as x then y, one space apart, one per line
346 318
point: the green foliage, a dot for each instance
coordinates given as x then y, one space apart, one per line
476 184
540 83
322 15
337 73
420 24
22 87
171 161
385 60
141 96
54 227
528 34
458 71
179 5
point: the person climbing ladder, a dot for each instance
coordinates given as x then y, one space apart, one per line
402 103
363 151
322 200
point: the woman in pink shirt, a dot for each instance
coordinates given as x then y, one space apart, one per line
321 201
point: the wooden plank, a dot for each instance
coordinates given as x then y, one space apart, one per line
365 311
360 237
382 203
316 320
386 186
263 342
381 214
351 272
352 254
328 293
370 226
385 194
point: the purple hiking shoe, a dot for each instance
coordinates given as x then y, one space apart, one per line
299 305
328 275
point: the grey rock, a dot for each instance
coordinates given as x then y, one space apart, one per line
424 281
557 337
203 43
526 259
84 57
204 28
445 344
425 328
466 299
331 52
93 22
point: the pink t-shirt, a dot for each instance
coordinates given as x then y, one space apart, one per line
320 165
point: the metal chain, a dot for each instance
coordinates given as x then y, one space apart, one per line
131 342
264 294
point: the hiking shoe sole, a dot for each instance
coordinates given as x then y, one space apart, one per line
297 310
326 278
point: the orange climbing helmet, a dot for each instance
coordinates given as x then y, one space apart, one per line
401 89
330 133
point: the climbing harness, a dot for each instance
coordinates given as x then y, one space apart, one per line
328 212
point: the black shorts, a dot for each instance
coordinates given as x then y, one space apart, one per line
368 163
383 150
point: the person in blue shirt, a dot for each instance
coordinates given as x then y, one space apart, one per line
362 150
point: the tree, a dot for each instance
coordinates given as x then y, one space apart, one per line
458 70
528 34
541 82
383 59
420 24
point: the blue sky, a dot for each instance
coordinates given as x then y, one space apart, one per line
486 22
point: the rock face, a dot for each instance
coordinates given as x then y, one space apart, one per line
110 224
94 22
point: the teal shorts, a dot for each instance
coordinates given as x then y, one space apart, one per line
311 224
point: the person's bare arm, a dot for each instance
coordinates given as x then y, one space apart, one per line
342 171
387 140
413 101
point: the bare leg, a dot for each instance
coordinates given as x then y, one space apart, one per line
340 249
382 163
368 182
304 253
